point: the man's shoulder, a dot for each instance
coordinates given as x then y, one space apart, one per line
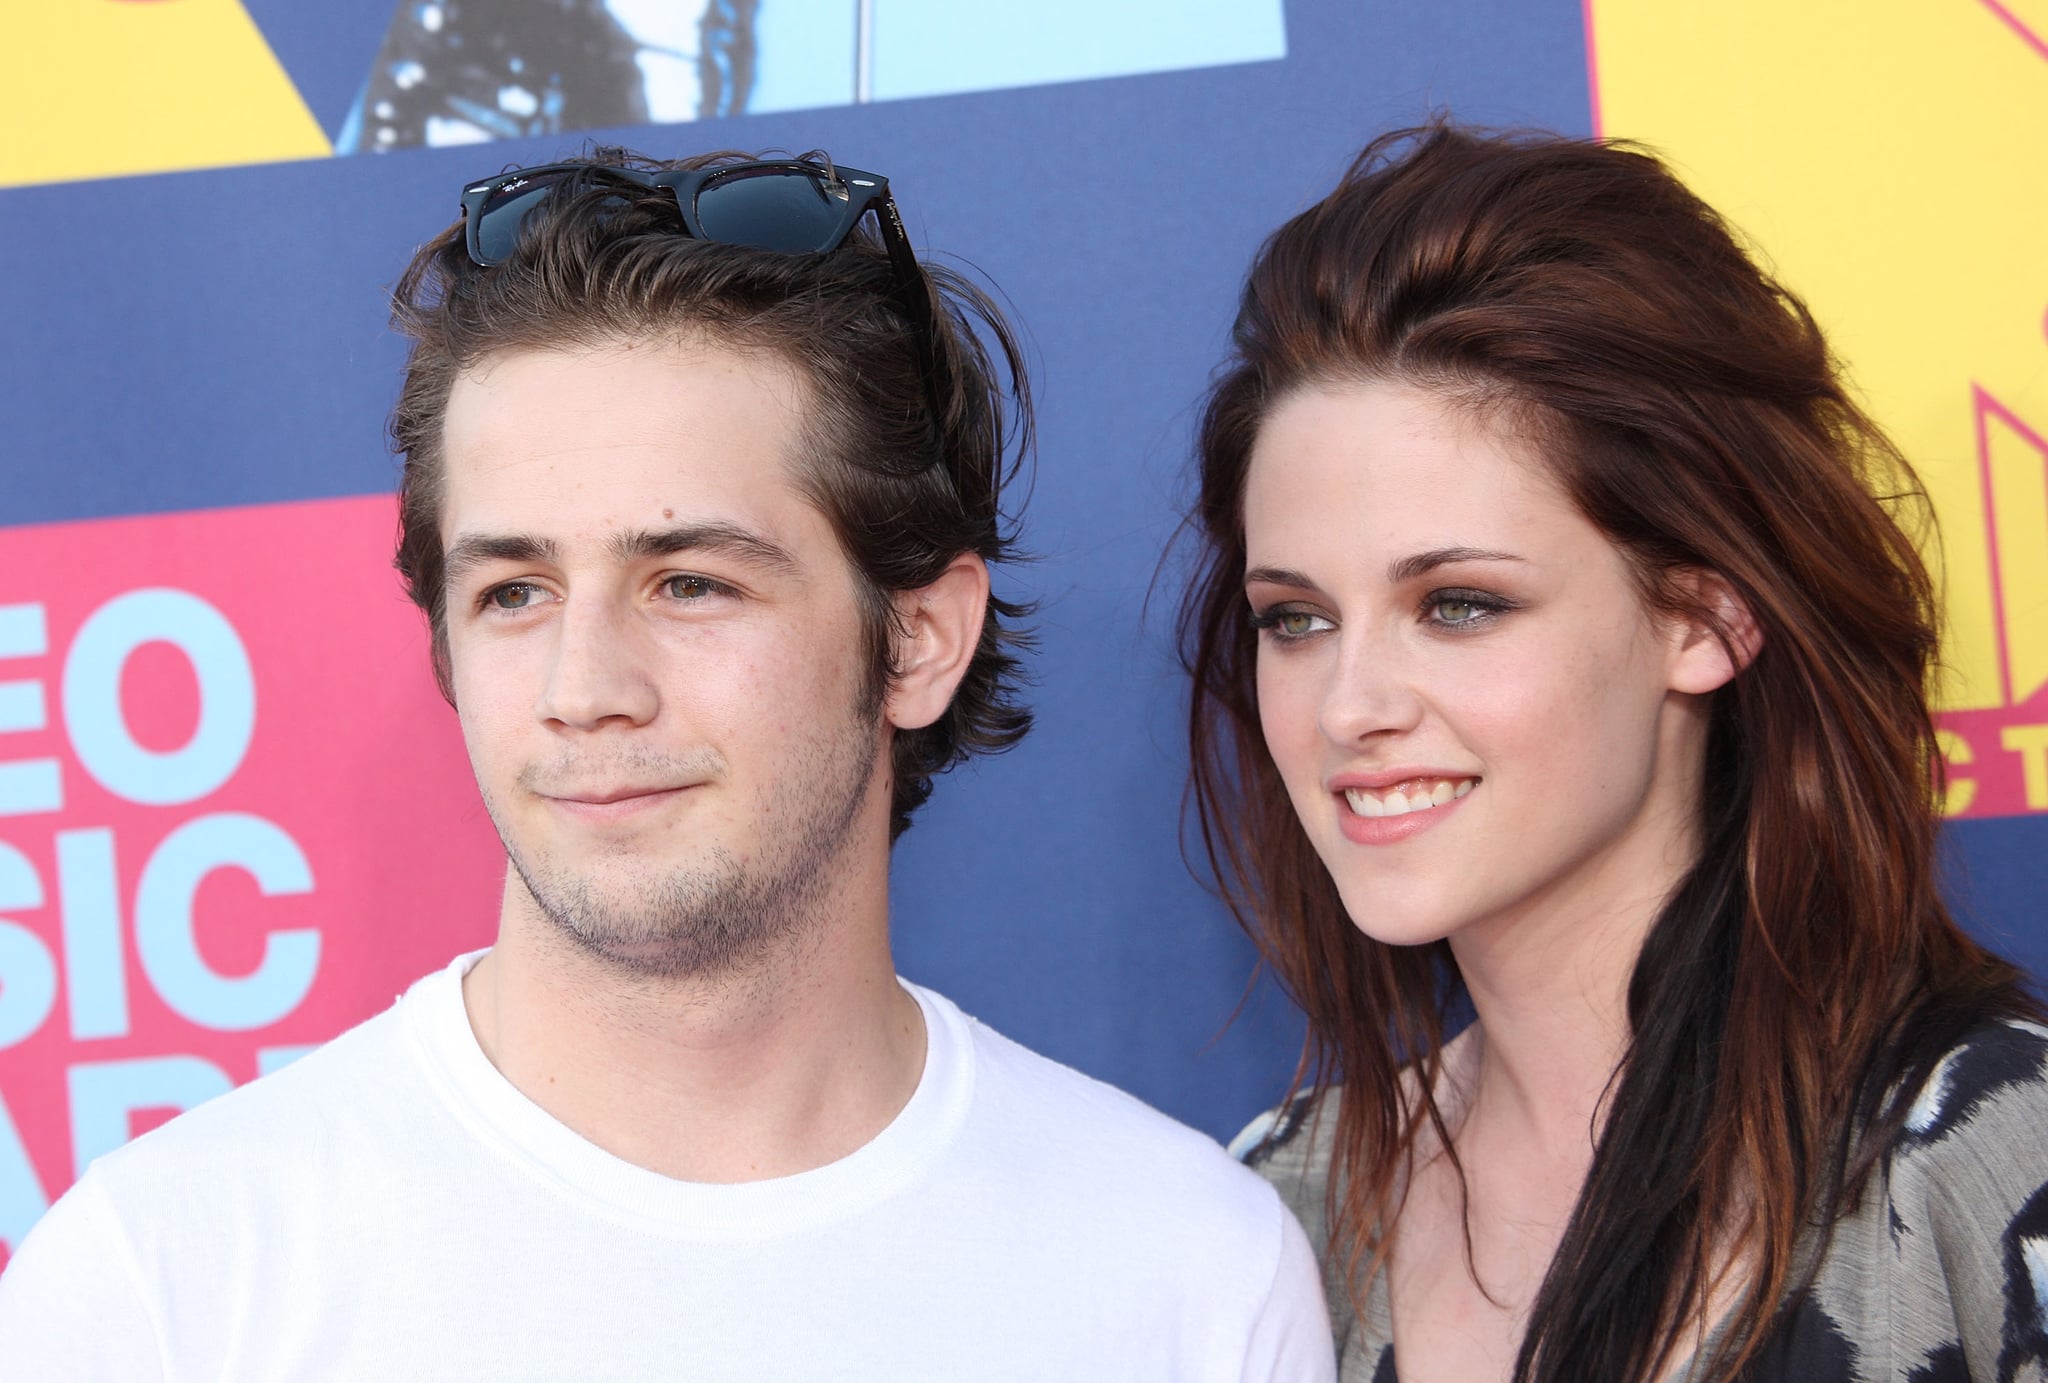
351 1082
262 1163
1060 1098
1066 1124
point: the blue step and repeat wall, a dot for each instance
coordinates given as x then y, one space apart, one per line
234 815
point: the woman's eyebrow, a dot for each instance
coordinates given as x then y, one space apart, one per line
1422 563
1277 576
1400 570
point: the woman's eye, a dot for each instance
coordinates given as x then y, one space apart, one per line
1291 624
1461 609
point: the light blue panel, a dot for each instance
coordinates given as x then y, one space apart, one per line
805 54
932 47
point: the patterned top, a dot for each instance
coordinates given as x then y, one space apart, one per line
1939 1276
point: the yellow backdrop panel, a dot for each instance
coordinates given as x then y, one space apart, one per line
1885 156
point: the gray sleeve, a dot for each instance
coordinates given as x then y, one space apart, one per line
1968 1208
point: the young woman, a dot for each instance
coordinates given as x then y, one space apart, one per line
1560 732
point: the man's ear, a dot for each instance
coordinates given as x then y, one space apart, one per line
938 628
1709 652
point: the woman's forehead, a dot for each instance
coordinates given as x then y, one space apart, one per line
1399 464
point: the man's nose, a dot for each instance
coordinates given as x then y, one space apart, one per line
600 670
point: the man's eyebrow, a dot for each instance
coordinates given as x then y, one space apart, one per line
1422 563
725 539
473 550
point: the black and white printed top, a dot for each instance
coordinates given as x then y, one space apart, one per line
1939 1276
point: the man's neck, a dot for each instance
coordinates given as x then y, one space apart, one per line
791 1063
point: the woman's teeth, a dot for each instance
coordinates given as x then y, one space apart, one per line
1417 796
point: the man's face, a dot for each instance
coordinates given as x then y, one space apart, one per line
656 650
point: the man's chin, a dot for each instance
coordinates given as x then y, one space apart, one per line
686 927
666 958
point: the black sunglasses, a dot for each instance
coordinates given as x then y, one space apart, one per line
793 206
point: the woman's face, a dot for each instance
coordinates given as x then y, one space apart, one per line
1475 714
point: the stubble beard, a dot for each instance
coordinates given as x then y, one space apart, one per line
717 917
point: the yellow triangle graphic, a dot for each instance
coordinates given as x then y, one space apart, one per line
104 88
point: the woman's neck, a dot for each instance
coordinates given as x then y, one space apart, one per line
1549 986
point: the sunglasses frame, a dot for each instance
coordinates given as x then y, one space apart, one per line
863 192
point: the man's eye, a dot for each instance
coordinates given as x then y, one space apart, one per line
515 595
687 587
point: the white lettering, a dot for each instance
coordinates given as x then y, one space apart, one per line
92 697
163 923
27 786
28 977
95 971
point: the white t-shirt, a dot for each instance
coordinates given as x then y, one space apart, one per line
390 1207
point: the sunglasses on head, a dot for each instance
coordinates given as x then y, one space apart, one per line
790 206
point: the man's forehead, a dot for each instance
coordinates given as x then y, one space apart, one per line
656 381
621 438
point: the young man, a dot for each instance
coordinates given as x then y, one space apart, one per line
701 482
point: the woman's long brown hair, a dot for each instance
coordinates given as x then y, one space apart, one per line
1806 975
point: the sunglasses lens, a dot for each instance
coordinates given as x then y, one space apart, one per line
506 210
793 213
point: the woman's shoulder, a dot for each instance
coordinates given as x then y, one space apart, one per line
1986 1096
1970 1159
1943 1267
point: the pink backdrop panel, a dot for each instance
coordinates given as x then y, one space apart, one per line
222 758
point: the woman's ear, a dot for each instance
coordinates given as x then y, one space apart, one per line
938 628
1709 649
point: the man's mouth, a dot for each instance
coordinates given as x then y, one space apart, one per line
613 804
1414 795
602 797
